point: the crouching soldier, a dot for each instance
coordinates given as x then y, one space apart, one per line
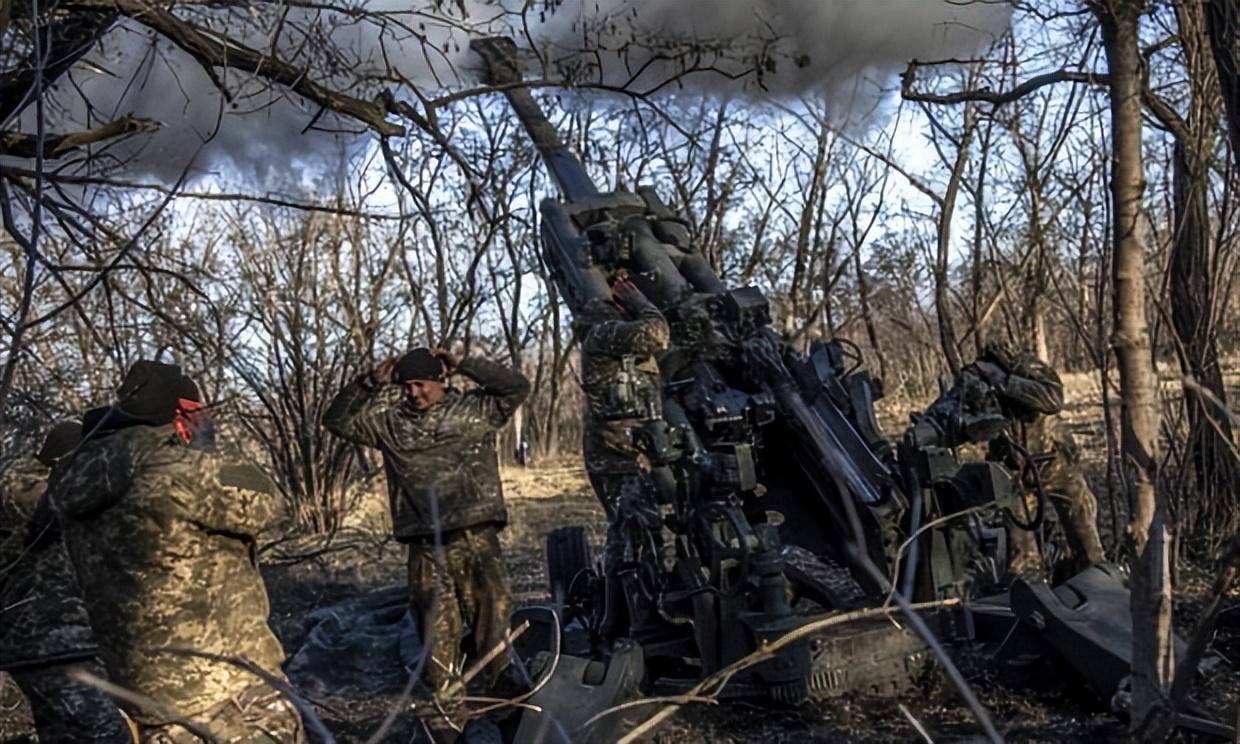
1030 395
162 536
444 490
45 634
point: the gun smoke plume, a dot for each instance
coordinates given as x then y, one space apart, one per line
842 49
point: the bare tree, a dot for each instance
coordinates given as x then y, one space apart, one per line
1148 530
1198 259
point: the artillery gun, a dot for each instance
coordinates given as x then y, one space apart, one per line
784 499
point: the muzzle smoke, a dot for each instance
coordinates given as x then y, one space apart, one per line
846 50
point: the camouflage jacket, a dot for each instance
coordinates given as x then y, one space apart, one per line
166 557
1043 436
1030 389
608 441
441 462
42 616
1031 395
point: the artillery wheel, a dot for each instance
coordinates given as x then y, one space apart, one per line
813 577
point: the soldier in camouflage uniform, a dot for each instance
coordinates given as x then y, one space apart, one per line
622 386
162 536
446 501
1030 395
44 631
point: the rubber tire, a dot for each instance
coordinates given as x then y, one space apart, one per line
826 583
568 556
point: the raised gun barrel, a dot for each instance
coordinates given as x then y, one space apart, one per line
500 55
592 232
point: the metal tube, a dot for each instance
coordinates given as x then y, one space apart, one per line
499 54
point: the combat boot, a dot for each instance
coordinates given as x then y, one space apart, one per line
615 609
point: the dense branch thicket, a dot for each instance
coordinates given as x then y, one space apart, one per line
977 206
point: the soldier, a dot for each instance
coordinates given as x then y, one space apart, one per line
1030 395
162 536
620 378
446 502
44 631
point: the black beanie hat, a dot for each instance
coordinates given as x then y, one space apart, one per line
151 390
419 364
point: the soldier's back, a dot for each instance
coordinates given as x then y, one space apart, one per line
164 562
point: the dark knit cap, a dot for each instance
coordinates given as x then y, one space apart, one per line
61 440
151 390
419 364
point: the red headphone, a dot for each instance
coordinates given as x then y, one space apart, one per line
189 417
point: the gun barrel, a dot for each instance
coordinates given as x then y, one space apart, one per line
499 54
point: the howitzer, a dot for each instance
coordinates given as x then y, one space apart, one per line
751 427
782 495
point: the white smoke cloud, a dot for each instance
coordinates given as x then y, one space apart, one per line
800 46
264 135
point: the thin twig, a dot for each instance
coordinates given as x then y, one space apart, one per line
717 681
916 724
142 701
277 683
555 662
1228 567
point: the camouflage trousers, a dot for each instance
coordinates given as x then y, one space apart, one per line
463 584
69 711
260 715
1077 508
634 526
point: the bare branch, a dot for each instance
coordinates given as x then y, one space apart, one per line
213 50
998 98
22 145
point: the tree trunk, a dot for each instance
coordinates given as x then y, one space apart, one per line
1216 481
804 228
947 208
976 270
1223 24
551 431
1148 530
867 315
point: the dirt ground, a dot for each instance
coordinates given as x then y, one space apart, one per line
1034 706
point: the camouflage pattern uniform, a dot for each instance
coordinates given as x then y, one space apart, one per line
460 584
44 629
1031 395
166 557
444 486
622 386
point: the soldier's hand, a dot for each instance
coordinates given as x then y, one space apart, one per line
628 296
990 372
385 373
450 360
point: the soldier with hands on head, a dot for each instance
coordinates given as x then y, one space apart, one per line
622 385
45 633
162 534
446 501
